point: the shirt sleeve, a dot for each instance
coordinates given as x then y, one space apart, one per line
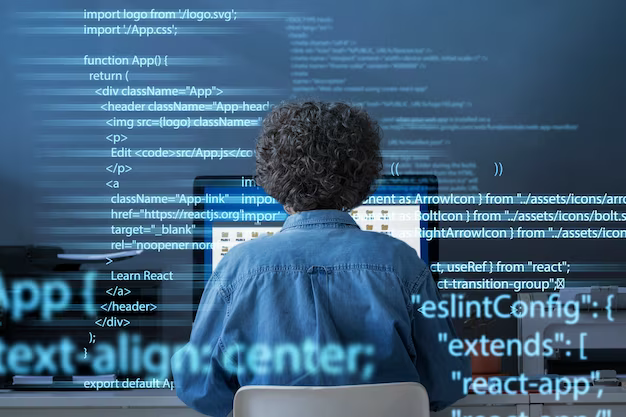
202 382
434 363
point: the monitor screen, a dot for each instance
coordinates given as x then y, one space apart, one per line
236 210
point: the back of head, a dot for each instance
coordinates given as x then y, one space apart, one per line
314 155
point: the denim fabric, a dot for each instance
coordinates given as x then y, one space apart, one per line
321 302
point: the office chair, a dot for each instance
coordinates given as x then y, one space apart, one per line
405 399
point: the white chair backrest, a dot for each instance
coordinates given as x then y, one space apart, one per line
405 399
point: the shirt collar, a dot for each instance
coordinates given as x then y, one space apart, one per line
305 218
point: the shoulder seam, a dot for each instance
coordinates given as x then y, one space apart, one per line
226 299
420 277
416 284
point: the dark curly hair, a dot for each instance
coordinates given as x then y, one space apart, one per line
314 155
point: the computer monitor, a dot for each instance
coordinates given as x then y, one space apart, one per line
233 209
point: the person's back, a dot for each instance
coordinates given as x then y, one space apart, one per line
322 302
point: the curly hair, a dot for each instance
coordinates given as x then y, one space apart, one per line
313 155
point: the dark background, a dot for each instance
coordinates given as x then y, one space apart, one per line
551 62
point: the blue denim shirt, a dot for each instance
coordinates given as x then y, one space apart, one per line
321 302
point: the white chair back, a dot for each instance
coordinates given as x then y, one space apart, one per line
405 399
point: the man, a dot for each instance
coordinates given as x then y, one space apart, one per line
322 302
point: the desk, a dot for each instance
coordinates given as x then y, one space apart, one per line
588 405
123 403
489 405
164 403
